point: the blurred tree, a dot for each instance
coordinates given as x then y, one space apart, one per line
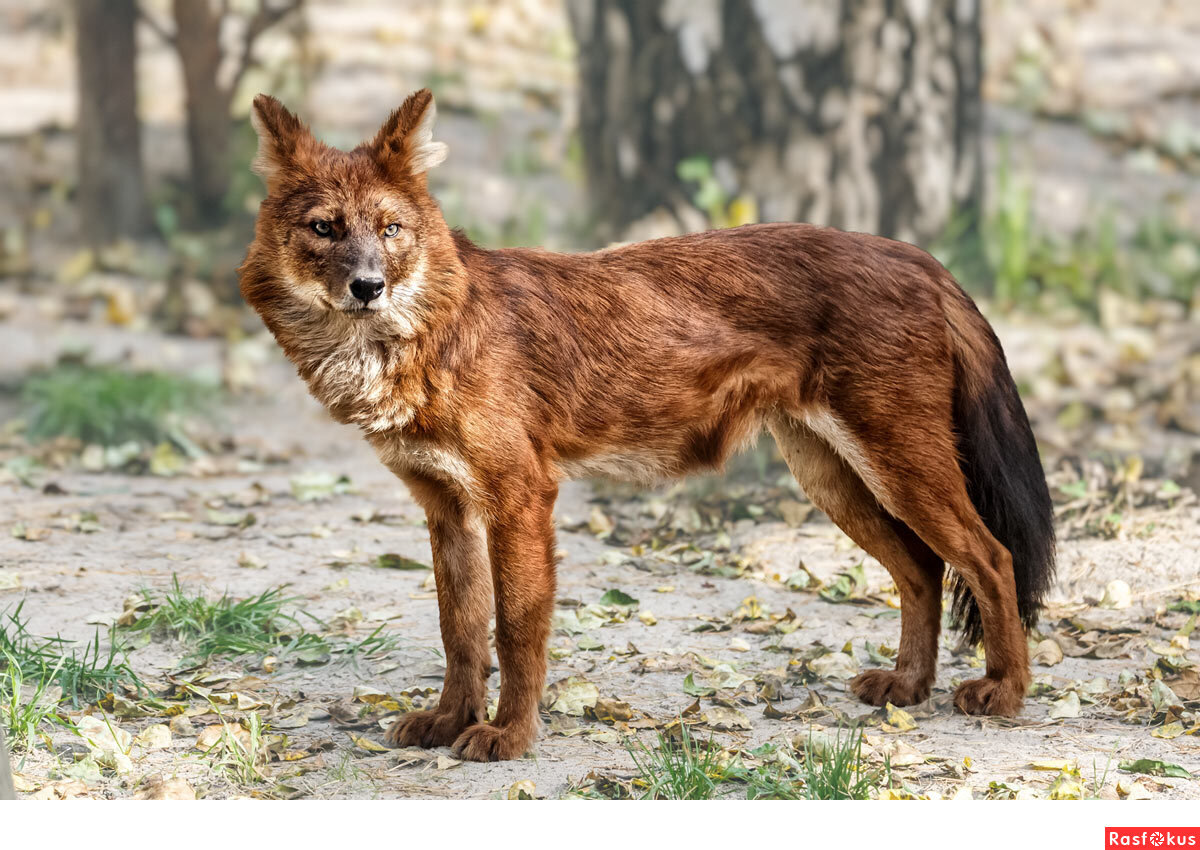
112 200
209 94
862 114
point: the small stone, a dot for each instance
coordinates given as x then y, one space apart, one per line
182 726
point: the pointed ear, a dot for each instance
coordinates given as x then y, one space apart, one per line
404 144
280 134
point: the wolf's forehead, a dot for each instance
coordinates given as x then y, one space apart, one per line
349 194
350 177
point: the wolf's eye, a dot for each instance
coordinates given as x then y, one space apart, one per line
391 230
322 228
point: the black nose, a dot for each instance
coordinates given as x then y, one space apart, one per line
367 289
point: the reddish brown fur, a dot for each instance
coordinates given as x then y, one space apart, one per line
487 376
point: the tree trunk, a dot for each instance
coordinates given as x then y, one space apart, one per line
861 114
198 41
111 198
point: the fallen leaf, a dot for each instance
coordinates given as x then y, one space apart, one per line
1048 653
369 695
1066 707
64 790
899 719
599 523
158 787
522 790
722 718
692 689
1154 767
251 562
365 743
318 486
618 598
230 518
1168 731
1117 595
30 533
1066 786
380 615
103 735
1132 790
1056 765
571 696
1162 697
847 586
612 710
156 737
835 665
392 561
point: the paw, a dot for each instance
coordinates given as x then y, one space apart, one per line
1002 697
426 729
485 742
879 687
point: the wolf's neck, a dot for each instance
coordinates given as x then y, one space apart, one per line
358 375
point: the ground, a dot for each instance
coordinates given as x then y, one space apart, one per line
721 633
1090 105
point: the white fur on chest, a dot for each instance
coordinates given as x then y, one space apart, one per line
353 379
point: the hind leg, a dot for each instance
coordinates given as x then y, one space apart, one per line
838 491
911 465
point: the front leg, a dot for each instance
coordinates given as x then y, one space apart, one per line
460 567
521 544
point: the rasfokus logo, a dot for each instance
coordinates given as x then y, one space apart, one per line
1153 837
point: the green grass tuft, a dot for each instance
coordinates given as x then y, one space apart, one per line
677 769
226 627
832 770
85 673
836 771
108 406
242 758
24 706
267 623
37 674
684 768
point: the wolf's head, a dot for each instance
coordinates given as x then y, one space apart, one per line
350 240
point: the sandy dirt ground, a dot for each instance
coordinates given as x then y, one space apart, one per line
721 635
766 662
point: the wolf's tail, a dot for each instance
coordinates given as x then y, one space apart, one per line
999 458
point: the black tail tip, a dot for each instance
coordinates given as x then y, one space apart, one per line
1007 485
